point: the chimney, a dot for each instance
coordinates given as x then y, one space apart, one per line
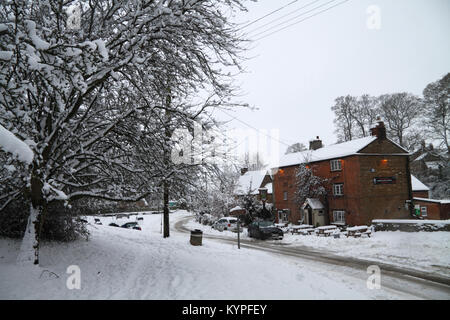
315 144
243 171
379 130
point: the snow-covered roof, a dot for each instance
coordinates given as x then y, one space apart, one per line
423 155
411 221
250 182
314 203
443 201
432 164
337 150
269 187
417 185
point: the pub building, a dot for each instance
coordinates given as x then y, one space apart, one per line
367 178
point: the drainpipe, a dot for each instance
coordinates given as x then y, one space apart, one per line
410 195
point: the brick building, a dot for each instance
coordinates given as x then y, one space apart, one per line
250 181
419 189
432 209
367 178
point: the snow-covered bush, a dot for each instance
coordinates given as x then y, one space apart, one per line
60 224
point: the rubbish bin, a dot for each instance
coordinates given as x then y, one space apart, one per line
196 237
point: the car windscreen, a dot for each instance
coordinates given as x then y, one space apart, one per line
265 224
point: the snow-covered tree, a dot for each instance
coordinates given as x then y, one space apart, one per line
308 184
70 94
400 111
296 147
437 101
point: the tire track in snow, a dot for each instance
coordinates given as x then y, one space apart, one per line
403 280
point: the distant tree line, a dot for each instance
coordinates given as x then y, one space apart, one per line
409 119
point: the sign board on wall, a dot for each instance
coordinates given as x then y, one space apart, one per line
384 180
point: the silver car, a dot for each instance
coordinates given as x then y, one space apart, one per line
227 223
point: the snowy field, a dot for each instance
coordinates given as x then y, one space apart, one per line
428 251
121 263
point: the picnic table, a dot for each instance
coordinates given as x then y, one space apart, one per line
326 230
358 231
298 228
307 231
281 225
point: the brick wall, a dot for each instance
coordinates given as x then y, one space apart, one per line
363 200
421 194
435 210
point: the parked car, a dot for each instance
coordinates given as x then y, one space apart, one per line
264 230
131 225
227 223
112 224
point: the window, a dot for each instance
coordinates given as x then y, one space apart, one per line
423 211
339 216
283 215
338 189
285 195
336 165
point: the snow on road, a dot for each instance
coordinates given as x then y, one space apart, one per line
119 263
427 251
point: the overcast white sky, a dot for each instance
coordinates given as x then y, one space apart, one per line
295 75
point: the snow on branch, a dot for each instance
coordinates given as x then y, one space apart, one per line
10 143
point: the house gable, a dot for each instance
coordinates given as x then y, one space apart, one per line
383 146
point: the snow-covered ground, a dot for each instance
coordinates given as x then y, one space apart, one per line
428 251
119 263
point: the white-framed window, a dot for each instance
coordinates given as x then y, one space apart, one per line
423 211
338 189
339 216
285 194
336 165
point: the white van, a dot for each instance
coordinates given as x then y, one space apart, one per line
227 223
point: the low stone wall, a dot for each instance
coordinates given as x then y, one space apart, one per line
411 225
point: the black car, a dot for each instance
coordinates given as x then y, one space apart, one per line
264 230
131 225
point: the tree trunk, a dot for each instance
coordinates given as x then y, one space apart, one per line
166 155
29 249
166 210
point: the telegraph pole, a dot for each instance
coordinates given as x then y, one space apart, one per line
239 231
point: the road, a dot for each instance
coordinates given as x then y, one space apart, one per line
419 284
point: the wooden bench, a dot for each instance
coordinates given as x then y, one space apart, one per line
358 231
297 229
326 230
307 231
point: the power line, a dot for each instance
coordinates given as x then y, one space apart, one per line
294 18
295 23
269 14
252 127
283 16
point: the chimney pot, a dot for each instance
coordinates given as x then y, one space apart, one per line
380 130
315 144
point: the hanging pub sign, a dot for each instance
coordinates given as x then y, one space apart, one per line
384 180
